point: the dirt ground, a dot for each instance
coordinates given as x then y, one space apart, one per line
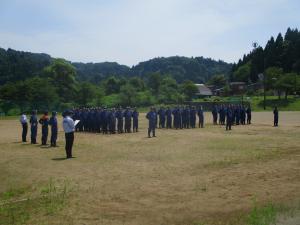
191 176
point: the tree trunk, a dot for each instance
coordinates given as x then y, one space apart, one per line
286 94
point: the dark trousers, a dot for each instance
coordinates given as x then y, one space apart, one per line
201 123
24 131
135 125
44 135
151 129
228 124
53 136
275 122
33 134
69 143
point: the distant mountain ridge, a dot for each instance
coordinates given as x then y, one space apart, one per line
18 65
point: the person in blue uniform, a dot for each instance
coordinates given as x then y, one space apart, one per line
229 117
162 117
193 113
243 115
33 126
104 120
54 129
120 116
248 112
135 120
201 117
151 116
44 121
169 118
276 116
128 116
215 114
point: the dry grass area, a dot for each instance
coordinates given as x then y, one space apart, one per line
194 176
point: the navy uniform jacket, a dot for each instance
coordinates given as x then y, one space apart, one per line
53 123
151 116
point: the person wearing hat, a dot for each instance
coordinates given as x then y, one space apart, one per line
54 129
44 121
33 126
69 128
23 120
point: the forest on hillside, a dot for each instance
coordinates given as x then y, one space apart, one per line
278 63
30 80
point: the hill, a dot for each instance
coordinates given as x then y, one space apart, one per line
196 69
19 65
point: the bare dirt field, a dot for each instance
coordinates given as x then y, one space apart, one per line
191 176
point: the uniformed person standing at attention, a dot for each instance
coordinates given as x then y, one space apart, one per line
69 128
201 117
23 120
135 120
229 117
44 121
151 116
54 129
276 115
33 126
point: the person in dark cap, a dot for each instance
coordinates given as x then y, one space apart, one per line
69 128
54 129
33 126
44 121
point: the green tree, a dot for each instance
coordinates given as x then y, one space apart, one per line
137 83
128 95
86 93
154 82
63 76
242 73
112 86
218 80
189 89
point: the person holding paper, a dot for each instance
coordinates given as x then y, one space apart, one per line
69 128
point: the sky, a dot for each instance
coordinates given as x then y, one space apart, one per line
131 31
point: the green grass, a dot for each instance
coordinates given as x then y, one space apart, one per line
18 206
265 215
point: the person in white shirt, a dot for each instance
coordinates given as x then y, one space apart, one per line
69 128
23 120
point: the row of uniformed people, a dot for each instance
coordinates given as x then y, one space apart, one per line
179 117
241 114
44 121
107 120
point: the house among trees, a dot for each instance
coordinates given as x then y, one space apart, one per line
203 91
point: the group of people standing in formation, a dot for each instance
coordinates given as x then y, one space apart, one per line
106 120
182 117
111 121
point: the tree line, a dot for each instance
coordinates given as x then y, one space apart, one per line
278 63
57 87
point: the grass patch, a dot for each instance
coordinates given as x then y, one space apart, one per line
265 215
51 199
